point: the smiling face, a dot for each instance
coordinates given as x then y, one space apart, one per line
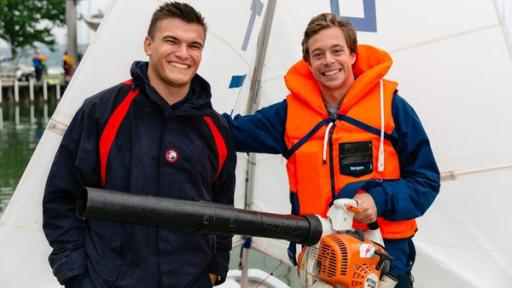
330 61
175 52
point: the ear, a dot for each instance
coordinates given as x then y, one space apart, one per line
354 57
147 45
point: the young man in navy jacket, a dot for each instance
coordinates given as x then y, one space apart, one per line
155 134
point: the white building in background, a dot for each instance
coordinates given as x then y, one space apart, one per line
84 8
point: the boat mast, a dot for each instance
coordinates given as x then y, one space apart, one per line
252 105
71 28
254 92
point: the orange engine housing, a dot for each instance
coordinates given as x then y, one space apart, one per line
345 259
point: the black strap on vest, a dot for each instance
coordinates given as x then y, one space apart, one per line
287 154
364 126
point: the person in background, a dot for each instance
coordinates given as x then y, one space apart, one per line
155 134
38 61
346 133
68 64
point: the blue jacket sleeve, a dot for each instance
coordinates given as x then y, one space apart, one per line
261 132
63 229
411 195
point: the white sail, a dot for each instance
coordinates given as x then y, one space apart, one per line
453 63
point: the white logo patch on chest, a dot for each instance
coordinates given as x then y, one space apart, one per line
171 155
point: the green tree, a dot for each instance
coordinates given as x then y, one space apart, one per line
25 23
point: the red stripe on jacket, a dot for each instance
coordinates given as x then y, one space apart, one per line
219 141
110 131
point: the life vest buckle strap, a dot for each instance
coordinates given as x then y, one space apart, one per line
287 154
364 126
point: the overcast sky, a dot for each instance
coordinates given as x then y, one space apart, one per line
84 33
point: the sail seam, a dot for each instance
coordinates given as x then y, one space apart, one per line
444 38
500 14
453 175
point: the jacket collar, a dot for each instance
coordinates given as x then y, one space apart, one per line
196 102
370 67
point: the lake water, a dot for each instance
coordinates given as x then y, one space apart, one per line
21 127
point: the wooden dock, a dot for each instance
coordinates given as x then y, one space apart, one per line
14 90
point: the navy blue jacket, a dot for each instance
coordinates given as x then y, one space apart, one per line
126 255
406 198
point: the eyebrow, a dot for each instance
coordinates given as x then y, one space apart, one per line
165 37
169 36
317 49
333 46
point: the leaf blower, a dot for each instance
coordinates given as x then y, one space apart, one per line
334 255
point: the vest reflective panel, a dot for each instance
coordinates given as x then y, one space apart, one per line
351 156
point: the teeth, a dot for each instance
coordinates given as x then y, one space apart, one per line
329 73
179 65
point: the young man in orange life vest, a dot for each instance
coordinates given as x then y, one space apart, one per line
155 134
346 133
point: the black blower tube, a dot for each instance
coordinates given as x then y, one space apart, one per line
198 217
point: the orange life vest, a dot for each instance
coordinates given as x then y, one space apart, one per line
352 143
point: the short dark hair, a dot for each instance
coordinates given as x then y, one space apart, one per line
325 21
182 11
